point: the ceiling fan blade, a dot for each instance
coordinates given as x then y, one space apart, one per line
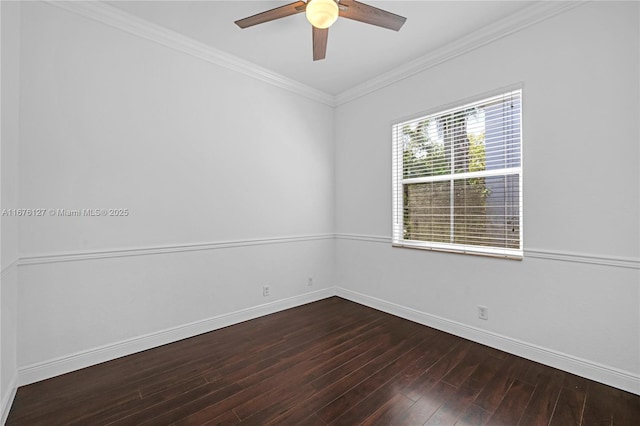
273 14
357 11
319 43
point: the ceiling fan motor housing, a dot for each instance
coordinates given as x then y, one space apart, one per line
322 14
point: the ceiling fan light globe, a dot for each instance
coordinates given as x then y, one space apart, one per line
322 13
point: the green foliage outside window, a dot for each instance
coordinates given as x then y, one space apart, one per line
428 206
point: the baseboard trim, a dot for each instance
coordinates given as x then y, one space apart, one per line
7 401
591 370
40 371
55 367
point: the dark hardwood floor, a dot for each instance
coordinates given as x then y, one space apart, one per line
328 362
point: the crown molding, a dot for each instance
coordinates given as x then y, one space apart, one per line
534 14
114 17
124 21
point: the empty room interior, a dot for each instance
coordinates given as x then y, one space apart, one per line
169 177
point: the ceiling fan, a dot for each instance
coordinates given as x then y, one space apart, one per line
323 13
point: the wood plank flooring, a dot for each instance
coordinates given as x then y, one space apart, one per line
329 362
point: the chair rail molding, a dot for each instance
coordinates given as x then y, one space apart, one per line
38 259
561 256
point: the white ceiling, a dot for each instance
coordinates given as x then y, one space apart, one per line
356 52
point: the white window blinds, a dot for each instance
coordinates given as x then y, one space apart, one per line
457 178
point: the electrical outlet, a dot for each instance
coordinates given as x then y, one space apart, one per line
483 312
266 290
310 281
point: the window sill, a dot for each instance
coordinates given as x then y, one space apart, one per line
496 253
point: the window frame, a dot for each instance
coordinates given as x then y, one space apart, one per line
398 180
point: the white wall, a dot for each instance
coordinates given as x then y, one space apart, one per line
230 186
10 84
581 198
199 154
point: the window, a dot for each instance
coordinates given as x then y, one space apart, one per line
457 179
